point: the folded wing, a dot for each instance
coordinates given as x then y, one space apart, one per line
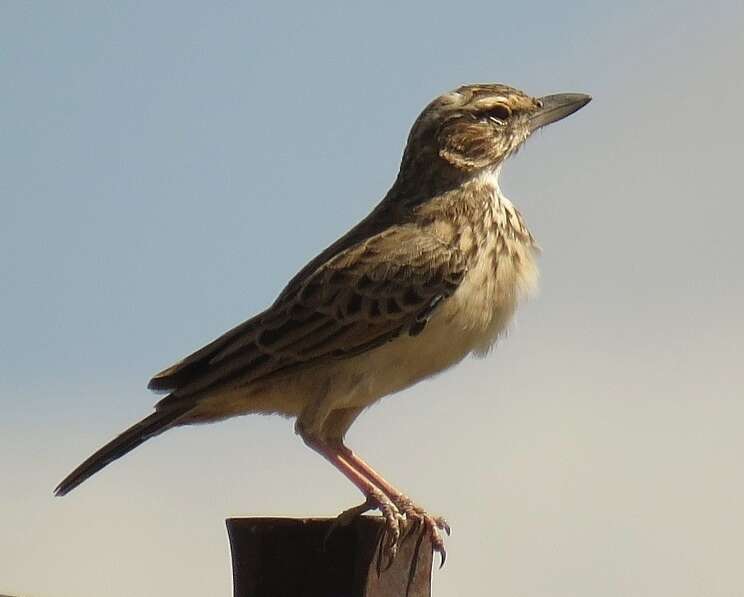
355 301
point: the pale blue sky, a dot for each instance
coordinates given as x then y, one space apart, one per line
167 167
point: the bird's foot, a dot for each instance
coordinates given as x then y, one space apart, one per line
347 517
402 519
393 517
418 518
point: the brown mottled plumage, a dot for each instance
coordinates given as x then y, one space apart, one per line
433 274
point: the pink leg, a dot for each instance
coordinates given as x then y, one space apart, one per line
404 504
376 497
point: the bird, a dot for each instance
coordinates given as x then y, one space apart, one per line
433 274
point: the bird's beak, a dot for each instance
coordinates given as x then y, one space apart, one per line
555 107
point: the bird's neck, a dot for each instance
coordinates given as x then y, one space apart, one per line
484 192
417 184
488 180
479 204
500 211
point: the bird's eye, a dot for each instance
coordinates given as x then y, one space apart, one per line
499 113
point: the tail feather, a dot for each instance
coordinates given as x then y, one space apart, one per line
138 433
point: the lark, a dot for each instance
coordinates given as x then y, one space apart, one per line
433 274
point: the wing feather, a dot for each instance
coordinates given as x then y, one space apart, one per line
355 301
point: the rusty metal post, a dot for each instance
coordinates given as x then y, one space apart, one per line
289 557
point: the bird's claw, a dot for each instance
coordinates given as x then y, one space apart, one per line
403 519
394 520
431 526
417 517
347 517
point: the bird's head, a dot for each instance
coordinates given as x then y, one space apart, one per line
476 127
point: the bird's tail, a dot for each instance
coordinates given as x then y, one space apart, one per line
138 433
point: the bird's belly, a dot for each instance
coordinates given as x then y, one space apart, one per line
470 321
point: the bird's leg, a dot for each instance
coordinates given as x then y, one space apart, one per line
376 497
415 514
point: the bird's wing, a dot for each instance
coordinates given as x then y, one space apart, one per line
356 300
